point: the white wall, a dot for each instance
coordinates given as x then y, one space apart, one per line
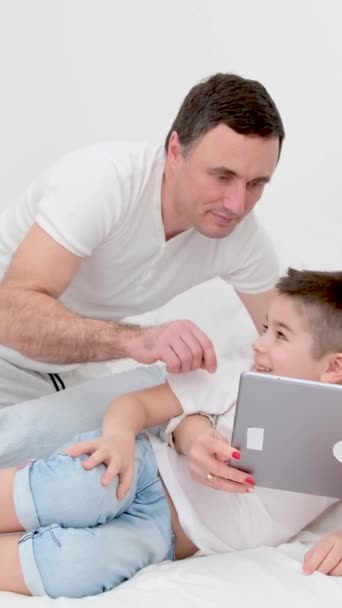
76 71
31 78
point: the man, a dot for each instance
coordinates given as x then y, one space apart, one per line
119 229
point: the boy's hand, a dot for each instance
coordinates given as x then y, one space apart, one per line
210 453
325 556
115 451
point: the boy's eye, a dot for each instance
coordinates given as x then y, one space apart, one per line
280 335
264 327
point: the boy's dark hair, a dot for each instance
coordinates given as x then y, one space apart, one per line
243 105
319 295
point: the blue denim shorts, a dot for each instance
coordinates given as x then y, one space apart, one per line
81 540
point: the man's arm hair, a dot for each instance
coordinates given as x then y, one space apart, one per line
35 323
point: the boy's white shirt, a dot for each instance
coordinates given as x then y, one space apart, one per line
219 521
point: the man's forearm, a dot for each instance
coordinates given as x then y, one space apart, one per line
40 327
188 430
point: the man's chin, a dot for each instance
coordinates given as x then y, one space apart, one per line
216 232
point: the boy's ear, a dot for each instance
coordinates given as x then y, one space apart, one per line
333 369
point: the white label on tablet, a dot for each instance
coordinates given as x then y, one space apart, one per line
255 438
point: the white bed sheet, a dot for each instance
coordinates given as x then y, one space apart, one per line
261 577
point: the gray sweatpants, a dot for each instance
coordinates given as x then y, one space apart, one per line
36 427
18 384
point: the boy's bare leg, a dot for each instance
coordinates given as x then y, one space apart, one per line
11 578
8 519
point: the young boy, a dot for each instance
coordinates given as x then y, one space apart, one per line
114 503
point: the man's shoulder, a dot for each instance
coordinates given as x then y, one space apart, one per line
105 158
124 154
117 169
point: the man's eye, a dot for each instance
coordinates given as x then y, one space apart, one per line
253 185
224 177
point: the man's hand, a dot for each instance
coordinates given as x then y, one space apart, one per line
181 345
325 556
210 453
115 451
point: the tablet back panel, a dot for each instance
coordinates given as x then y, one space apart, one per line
288 432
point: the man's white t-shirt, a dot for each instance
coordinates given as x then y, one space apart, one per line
218 521
103 203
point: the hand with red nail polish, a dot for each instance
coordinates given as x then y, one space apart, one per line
210 452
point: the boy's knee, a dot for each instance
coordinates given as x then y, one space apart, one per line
71 562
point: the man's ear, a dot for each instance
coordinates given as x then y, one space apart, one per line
174 148
333 369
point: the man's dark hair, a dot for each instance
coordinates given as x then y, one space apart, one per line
319 298
243 105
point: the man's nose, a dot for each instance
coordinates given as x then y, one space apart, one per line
234 199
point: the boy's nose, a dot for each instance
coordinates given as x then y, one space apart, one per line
258 344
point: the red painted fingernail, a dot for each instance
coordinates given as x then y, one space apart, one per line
250 480
236 455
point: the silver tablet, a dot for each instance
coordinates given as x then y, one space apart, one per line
289 432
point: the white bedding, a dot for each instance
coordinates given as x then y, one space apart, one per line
262 577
